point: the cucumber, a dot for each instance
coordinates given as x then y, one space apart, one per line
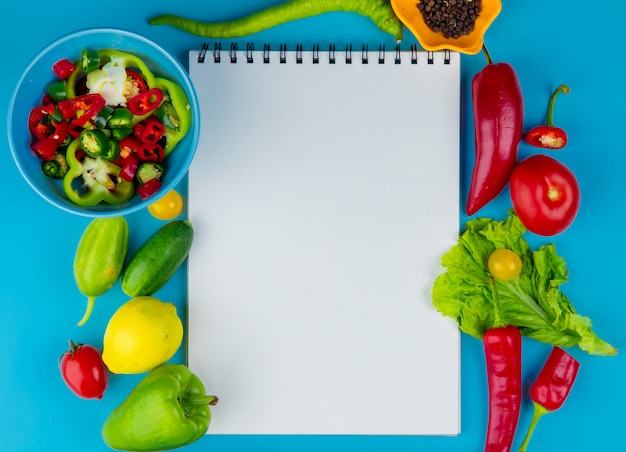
157 259
99 258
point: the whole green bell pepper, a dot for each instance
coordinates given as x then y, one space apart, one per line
168 409
94 180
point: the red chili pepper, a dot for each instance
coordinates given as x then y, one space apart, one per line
39 121
498 124
503 357
89 105
149 188
503 352
150 130
549 136
136 78
63 68
151 152
145 102
552 386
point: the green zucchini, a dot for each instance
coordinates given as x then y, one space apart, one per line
99 258
157 259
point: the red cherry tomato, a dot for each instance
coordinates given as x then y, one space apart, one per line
83 371
545 194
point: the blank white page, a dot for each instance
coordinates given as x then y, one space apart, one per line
322 197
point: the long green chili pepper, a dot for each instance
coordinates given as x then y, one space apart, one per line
379 11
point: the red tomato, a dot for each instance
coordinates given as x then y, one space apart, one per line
84 372
545 194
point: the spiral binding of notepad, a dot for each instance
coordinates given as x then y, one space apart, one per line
266 57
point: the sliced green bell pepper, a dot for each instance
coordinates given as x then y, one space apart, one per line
168 409
180 117
128 60
94 180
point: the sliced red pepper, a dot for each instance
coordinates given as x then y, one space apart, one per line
129 166
128 146
44 148
39 122
146 101
63 68
150 130
149 188
67 109
89 105
549 136
136 78
151 152
60 132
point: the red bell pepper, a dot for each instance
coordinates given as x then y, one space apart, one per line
145 102
63 68
498 125
552 386
548 135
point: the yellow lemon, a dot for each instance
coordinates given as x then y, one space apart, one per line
142 334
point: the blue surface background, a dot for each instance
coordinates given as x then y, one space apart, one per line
548 43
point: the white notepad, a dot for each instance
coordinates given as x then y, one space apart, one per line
323 194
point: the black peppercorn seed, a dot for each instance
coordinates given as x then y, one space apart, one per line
454 18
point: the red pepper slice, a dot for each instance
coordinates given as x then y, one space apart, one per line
151 152
39 122
45 148
150 130
89 104
149 188
129 167
549 136
129 146
67 109
145 101
63 68
136 78
60 132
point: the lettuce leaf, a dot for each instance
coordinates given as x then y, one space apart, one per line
533 302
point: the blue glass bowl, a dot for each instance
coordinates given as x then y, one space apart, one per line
32 87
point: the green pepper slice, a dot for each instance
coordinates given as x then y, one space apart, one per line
94 180
57 90
120 119
94 142
180 102
90 60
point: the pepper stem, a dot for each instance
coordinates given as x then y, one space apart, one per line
201 400
487 56
496 305
90 303
561 89
539 411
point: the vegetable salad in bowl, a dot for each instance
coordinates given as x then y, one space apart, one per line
103 121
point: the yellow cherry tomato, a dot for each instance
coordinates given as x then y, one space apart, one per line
168 207
504 264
